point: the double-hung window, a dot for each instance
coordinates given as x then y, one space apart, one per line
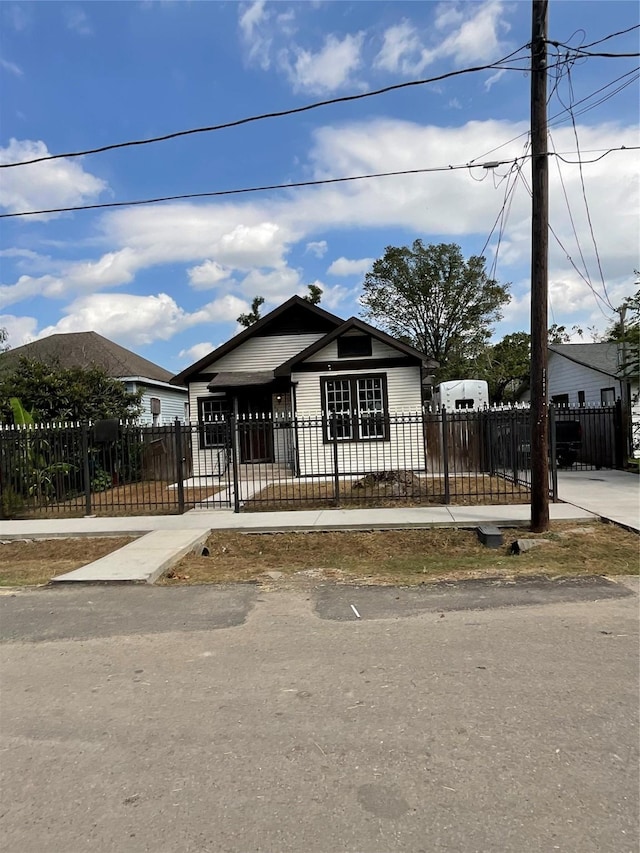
212 417
354 407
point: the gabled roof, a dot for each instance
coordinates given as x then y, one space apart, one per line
360 326
257 330
86 349
602 357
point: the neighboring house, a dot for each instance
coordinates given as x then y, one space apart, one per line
299 373
588 375
162 402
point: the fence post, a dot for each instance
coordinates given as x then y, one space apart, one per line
87 471
553 452
235 456
336 472
177 426
445 455
619 435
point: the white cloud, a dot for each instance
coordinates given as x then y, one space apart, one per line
473 33
207 275
329 69
20 330
77 21
253 20
11 67
493 79
19 15
402 50
333 295
196 352
344 266
57 183
252 239
132 319
317 248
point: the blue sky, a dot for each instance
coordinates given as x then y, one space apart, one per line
169 280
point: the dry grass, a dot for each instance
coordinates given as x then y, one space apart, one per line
33 562
407 557
153 497
466 491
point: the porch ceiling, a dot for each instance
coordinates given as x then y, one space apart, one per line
241 379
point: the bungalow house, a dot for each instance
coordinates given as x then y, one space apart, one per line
162 402
299 382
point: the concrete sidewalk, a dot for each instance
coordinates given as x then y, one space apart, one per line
317 519
165 539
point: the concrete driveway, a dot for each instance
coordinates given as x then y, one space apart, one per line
611 494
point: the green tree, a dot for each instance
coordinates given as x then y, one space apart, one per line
561 335
433 298
252 316
505 366
315 294
4 337
51 393
626 332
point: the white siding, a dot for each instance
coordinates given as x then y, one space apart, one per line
378 350
207 461
404 449
567 377
171 403
263 353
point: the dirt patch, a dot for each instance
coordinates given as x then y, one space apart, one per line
406 556
152 497
36 561
392 488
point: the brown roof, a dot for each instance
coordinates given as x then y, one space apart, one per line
86 349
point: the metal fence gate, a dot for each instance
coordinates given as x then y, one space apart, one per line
249 463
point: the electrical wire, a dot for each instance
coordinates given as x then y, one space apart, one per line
566 198
215 193
276 114
606 38
584 191
291 185
597 296
554 121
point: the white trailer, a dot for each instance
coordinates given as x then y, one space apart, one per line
461 394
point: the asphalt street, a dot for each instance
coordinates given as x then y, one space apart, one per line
465 717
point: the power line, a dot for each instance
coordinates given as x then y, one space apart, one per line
276 114
291 185
580 53
610 36
563 114
215 193
566 198
584 191
595 293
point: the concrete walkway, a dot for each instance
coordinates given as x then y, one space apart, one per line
141 561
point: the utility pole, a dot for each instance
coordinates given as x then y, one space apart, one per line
539 270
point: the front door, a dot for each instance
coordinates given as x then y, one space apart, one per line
255 427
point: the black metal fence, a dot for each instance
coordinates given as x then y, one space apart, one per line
248 463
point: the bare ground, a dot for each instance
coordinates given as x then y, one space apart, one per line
466 491
36 561
154 497
407 556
